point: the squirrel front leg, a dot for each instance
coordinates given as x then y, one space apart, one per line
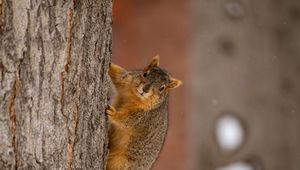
110 110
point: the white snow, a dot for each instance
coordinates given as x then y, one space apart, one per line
236 166
229 133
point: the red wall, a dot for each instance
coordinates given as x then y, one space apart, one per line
142 29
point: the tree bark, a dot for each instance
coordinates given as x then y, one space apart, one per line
54 57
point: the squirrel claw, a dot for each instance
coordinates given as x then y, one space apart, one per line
110 110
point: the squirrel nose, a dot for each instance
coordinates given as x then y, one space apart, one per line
146 88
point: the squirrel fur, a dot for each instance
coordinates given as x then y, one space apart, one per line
139 116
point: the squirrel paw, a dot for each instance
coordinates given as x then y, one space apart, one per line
110 110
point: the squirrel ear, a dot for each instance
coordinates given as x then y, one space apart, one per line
153 63
174 83
117 68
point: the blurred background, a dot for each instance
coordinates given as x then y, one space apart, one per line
239 105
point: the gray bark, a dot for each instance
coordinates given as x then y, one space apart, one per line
246 62
54 57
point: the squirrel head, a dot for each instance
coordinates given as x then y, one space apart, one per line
152 84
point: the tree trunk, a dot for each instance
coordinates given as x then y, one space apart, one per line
54 57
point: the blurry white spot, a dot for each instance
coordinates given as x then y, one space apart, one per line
236 166
229 133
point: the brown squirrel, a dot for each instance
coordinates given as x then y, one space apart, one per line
139 117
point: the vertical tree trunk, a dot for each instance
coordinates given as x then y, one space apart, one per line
54 57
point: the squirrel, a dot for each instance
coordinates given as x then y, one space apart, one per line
138 119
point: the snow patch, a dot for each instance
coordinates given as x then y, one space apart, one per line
229 133
237 166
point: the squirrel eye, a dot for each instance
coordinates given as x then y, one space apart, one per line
162 88
145 74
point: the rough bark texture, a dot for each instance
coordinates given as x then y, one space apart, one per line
54 56
246 62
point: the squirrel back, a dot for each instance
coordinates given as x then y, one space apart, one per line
139 117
